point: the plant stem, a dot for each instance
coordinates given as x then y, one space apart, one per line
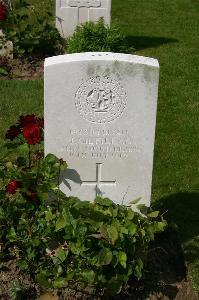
29 156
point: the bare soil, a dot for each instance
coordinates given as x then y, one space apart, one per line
165 278
22 68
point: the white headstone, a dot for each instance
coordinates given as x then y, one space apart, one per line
6 47
100 116
70 13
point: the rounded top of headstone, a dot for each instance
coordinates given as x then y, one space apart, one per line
101 56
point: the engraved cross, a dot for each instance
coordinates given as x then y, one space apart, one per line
98 181
84 8
84 3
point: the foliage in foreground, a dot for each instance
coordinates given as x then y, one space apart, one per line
98 37
30 31
62 241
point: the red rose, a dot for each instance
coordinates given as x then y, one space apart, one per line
26 120
32 134
13 132
3 12
12 186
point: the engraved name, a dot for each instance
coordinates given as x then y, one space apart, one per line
105 144
84 3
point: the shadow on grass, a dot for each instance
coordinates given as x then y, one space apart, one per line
143 42
164 272
165 268
183 210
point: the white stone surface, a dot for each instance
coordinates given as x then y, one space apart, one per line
70 13
6 47
100 116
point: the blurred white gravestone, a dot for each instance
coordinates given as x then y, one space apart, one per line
70 13
100 116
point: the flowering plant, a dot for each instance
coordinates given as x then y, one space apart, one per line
62 241
24 177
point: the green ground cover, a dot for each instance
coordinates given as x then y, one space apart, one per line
167 30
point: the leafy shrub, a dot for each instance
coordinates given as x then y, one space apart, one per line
97 37
62 241
31 32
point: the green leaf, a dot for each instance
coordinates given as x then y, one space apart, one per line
70 275
36 242
3 71
114 286
138 268
98 236
49 215
132 229
153 214
60 283
123 230
161 226
103 231
103 201
51 159
42 279
105 257
130 214
78 247
2 213
143 233
43 196
22 264
136 201
112 234
122 259
61 254
60 223
23 148
12 237
89 275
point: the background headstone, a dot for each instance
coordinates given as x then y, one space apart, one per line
6 47
100 115
70 13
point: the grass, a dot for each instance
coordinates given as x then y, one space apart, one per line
167 30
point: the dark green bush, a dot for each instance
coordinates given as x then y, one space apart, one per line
97 37
31 31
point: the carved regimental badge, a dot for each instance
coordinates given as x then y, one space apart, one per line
100 99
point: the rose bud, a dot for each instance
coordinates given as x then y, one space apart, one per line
27 120
12 186
13 132
31 196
